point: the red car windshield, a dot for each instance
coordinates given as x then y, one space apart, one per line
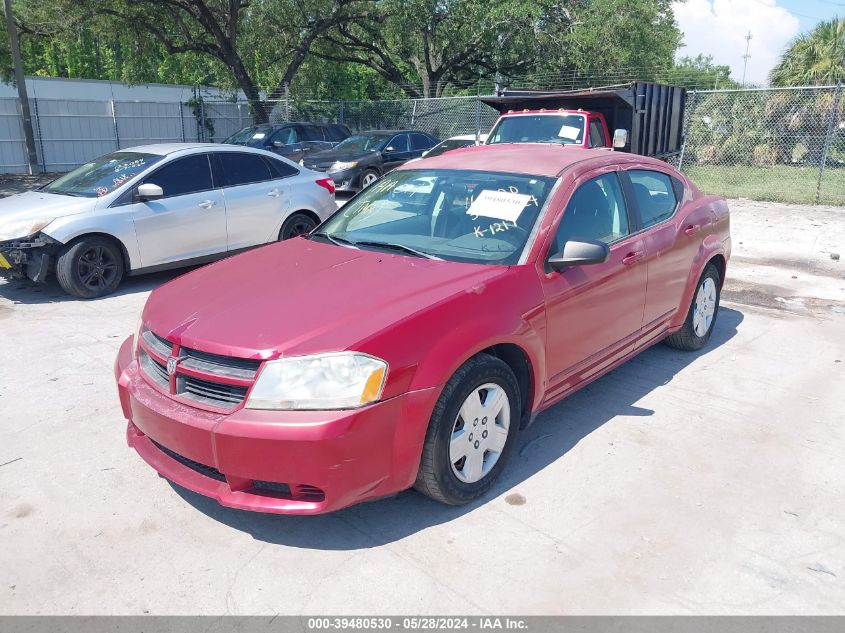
567 129
468 216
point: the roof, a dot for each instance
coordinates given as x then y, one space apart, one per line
536 159
163 149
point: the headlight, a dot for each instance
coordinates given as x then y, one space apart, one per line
341 166
22 228
343 380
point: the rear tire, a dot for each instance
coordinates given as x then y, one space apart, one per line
702 314
471 433
90 267
297 224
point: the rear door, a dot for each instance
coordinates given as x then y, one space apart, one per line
188 222
671 240
313 139
396 152
419 144
256 197
594 312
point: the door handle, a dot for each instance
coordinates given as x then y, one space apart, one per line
274 193
632 258
692 229
206 204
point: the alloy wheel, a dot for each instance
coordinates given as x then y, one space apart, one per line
97 268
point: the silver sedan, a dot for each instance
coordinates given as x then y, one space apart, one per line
155 207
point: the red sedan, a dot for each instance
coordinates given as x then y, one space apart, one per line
410 338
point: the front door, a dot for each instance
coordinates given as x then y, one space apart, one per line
593 312
188 222
396 152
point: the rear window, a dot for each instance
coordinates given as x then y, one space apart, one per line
566 129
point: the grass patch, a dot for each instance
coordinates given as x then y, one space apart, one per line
781 183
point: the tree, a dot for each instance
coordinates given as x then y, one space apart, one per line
814 58
424 46
234 33
699 72
610 41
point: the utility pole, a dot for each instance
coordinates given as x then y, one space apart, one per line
744 57
15 48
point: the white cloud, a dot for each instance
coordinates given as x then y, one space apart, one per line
719 27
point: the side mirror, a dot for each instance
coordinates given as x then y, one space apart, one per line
425 153
620 138
278 144
580 253
390 149
148 191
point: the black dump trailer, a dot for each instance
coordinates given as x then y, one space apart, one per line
653 114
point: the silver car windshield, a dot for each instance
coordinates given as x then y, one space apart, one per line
103 175
467 216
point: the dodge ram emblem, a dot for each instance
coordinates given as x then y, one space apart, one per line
171 365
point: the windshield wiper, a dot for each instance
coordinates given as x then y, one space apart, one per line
400 247
339 241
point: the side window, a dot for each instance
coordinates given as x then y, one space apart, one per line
399 143
183 176
286 136
655 195
311 133
596 134
596 211
280 169
334 134
242 169
418 141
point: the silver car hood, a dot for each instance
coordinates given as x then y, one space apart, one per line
33 205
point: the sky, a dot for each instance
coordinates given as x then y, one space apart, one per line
719 27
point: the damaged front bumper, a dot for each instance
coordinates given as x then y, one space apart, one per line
29 257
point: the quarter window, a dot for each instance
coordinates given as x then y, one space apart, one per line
655 195
280 169
242 169
183 176
596 211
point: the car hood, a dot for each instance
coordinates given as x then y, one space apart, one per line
37 205
302 297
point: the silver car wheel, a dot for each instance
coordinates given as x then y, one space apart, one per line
368 179
705 307
480 433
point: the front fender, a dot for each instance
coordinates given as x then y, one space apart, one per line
118 226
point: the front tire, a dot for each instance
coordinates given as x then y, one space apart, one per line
368 178
90 267
701 317
471 432
297 224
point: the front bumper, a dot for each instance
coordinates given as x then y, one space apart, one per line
286 462
30 257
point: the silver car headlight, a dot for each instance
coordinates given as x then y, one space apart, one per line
22 228
341 166
342 380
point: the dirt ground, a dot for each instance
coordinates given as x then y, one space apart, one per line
704 483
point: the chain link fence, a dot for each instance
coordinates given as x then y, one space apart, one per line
782 145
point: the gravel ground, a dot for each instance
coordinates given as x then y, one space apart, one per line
704 483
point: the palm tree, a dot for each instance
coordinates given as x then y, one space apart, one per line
814 58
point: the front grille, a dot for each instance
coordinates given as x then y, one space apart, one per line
202 469
213 393
213 387
282 490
